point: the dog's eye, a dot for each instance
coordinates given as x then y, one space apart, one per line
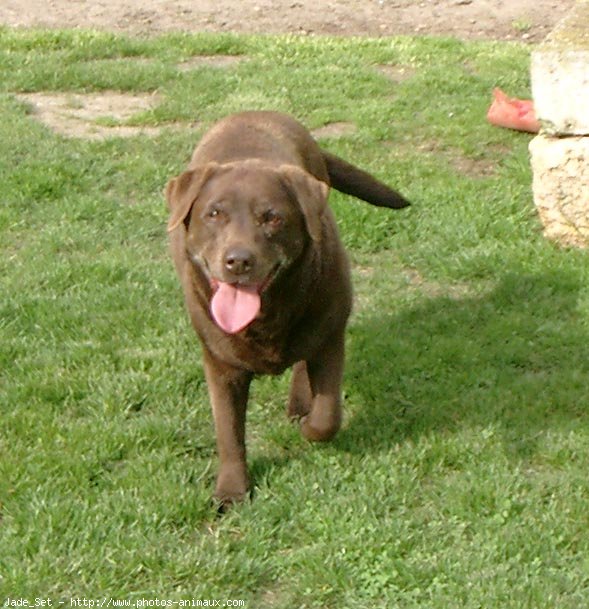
271 218
214 213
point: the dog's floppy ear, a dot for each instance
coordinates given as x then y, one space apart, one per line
311 195
182 191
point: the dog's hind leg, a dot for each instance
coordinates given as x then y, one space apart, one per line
300 398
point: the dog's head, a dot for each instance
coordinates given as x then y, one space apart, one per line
245 223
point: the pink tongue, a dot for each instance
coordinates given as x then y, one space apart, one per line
234 307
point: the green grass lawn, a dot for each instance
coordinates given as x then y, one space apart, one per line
460 478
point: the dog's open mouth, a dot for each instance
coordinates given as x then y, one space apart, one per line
234 306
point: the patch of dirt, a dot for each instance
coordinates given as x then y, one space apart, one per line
474 167
396 73
334 130
435 289
528 20
212 61
411 281
77 115
481 166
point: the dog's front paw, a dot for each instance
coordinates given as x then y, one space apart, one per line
232 486
319 429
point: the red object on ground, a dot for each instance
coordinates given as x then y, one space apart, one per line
512 113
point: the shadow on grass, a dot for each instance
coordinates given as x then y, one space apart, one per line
516 358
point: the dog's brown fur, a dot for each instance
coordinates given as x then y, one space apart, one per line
252 209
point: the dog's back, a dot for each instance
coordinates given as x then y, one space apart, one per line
281 140
274 138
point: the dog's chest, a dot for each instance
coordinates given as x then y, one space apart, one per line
263 351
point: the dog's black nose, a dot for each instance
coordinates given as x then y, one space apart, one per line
239 260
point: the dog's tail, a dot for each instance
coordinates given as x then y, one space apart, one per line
351 180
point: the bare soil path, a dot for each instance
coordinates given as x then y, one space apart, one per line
528 20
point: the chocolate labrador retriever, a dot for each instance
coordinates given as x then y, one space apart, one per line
265 277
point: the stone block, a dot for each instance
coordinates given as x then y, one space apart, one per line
560 75
561 187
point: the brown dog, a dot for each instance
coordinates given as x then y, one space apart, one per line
265 277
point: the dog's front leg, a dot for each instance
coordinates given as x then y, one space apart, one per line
228 391
325 378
